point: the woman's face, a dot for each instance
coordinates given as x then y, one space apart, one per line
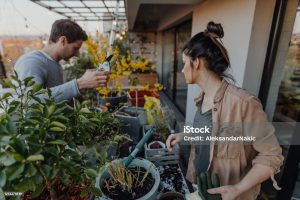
187 69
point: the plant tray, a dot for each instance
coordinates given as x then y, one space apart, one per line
161 156
172 179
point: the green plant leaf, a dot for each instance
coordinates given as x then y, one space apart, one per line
52 150
2 196
14 171
91 173
38 190
25 185
85 110
18 157
8 84
56 129
58 124
46 169
19 145
96 191
15 105
53 173
2 179
27 80
31 171
35 157
3 129
37 87
37 178
51 109
7 159
12 128
6 95
58 142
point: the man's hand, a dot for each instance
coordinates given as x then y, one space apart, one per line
92 79
205 182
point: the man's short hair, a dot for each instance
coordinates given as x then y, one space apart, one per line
67 28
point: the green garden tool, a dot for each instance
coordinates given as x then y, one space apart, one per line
206 181
138 147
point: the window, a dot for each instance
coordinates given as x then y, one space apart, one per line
172 78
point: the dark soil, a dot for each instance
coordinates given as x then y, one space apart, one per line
156 137
172 179
119 193
155 145
125 148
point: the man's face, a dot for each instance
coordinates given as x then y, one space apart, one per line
70 49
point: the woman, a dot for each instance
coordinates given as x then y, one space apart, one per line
241 167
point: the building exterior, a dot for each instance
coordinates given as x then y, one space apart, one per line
13 47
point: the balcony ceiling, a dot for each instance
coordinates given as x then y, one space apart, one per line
146 15
85 10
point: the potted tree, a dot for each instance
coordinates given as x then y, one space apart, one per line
40 144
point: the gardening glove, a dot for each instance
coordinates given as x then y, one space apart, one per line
206 181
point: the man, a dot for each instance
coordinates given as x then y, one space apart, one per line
65 40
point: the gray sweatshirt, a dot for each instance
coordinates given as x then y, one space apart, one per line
45 70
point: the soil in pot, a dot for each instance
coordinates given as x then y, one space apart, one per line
156 145
172 179
116 191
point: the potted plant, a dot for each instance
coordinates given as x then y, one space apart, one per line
139 181
159 118
133 119
40 142
137 94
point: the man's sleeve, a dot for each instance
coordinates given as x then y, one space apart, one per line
34 68
65 91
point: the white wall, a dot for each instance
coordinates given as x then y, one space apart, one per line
236 17
258 45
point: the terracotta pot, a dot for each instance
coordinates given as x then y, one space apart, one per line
140 99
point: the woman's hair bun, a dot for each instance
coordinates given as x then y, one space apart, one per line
217 29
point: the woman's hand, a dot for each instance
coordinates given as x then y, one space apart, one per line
228 192
172 140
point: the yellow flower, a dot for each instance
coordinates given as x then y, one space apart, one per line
119 87
147 87
126 73
158 87
153 67
131 89
103 91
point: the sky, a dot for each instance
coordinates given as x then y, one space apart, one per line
38 19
